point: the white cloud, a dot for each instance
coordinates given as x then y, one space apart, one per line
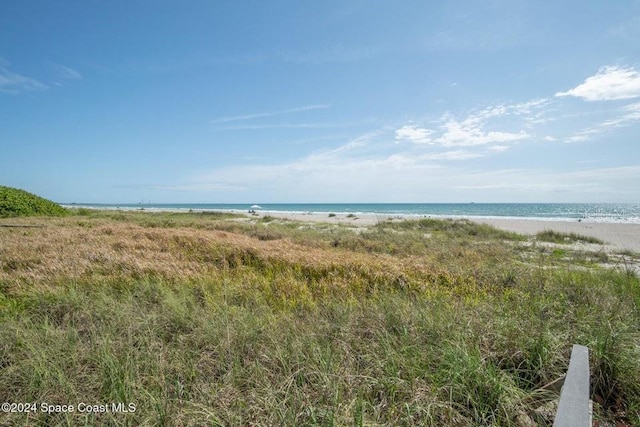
472 130
413 134
11 82
470 133
529 111
610 83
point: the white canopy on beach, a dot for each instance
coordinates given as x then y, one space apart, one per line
256 207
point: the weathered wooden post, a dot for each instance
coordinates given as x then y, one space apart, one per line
574 409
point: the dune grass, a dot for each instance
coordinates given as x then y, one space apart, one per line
558 237
211 320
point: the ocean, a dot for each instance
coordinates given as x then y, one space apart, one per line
594 212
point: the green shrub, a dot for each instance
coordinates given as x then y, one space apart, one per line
15 203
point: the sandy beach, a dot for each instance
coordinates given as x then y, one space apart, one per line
617 236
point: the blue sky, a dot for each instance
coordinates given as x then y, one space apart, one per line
331 101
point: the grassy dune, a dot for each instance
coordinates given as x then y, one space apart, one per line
206 319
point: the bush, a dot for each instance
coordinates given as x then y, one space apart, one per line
15 203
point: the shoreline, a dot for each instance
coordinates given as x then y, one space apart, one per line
574 212
366 216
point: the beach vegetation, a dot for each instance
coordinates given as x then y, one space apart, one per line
81 211
458 228
567 238
267 218
207 320
15 202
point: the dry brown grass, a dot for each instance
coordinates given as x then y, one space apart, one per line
69 249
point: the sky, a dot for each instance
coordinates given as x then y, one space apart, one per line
328 101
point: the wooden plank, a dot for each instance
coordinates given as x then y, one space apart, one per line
574 409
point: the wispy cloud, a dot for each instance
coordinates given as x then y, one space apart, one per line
341 154
608 183
609 83
334 54
628 115
186 186
402 177
268 114
498 148
287 126
452 155
455 41
11 82
66 73
633 111
200 186
627 30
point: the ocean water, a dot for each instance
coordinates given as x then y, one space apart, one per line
593 212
